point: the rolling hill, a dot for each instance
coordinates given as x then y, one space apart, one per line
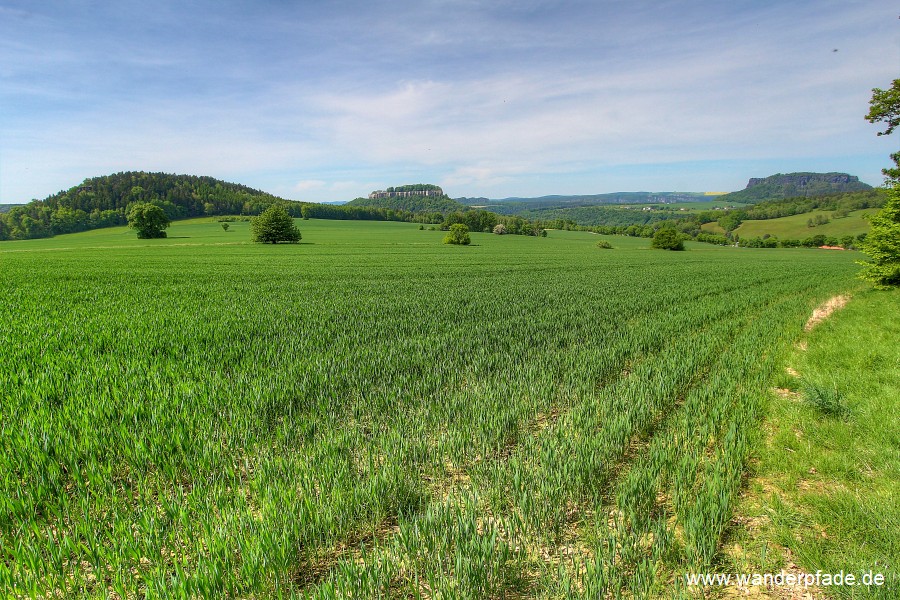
796 227
101 202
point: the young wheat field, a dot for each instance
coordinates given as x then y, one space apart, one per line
372 413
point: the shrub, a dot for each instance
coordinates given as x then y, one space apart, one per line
604 244
712 238
814 241
500 229
459 234
827 400
225 226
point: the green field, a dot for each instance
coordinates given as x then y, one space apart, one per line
795 227
373 413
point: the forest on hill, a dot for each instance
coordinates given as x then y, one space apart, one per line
102 202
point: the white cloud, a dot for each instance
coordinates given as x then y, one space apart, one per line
309 184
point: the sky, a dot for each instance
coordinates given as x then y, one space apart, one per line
330 100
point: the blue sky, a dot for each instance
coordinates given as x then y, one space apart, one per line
327 101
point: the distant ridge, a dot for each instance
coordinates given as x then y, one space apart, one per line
592 199
796 185
516 205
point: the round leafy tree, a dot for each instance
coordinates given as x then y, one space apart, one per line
274 225
459 234
667 238
149 220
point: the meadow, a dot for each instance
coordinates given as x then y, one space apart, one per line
795 227
371 413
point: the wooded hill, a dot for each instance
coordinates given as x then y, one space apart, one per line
102 202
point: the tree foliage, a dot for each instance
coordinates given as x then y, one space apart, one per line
882 244
274 225
459 234
149 220
884 107
667 238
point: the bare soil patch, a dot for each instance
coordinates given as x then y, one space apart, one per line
825 310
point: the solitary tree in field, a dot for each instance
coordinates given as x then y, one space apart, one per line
667 238
149 220
274 225
459 234
882 243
